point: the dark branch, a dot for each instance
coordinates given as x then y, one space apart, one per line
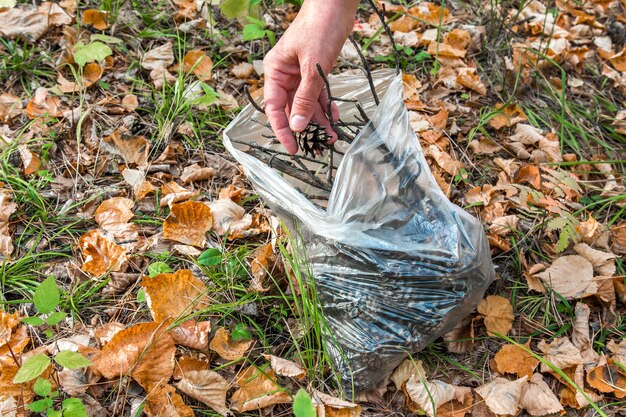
366 69
251 100
381 16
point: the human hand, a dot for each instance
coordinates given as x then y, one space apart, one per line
293 89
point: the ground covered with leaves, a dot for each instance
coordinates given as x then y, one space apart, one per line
140 273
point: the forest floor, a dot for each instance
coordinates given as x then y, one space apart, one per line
140 272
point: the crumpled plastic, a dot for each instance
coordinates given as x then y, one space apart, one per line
395 263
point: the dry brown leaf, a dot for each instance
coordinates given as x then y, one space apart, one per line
100 255
484 146
534 283
507 116
257 389
571 276
187 10
528 142
589 230
512 359
159 57
426 395
10 107
619 352
16 344
30 160
242 70
195 172
207 387
504 225
328 406
24 23
538 399
174 295
192 334
22 393
105 333
189 363
503 396
529 174
42 104
607 379
261 265
90 75
188 223
232 192
618 239
603 262
114 213
8 322
197 62
228 348
467 77
405 371
230 218
174 193
561 353
96 18
284 367
134 149
498 313
145 351
443 159
163 401
580 335
461 338
429 13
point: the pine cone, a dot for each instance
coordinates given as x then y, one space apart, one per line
313 140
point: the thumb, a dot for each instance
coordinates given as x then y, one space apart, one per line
305 101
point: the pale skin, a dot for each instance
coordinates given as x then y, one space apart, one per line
294 91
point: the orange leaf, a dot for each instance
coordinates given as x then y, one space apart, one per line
529 174
91 73
261 265
100 254
189 363
30 160
95 18
228 348
498 313
429 13
10 107
199 63
134 149
188 223
512 359
42 104
507 116
257 389
163 401
114 213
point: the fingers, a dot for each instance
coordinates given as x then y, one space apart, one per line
305 102
275 104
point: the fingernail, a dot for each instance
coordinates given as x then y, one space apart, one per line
298 123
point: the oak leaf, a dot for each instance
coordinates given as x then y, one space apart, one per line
188 223
257 389
538 399
571 276
207 387
512 359
502 396
498 313
228 348
100 255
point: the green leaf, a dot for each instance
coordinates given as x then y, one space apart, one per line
74 407
106 39
46 296
271 36
157 268
31 368
42 387
253 31
210 257
233 9
55 318
53 413
41 405
7 4
92 52
33 321
240 332
141 296
71 360
303 405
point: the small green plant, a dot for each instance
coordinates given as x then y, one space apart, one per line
210 257
566 224
46 299
303 404
70 407
94 51
255 29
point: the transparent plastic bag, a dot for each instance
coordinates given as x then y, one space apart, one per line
396 264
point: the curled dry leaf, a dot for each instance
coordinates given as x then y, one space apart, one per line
507 116
528 142
137 179
174 193
30 160
571 276
242 70
228 348
10 107
159 57
284 367
188 223
198 63
16 343
114 213
96 18
145 351
22 393
100 255
504 225
430 395
90 75
328 406
405 371
175 295
230 218
232 192
196 173
512 359
193 334
607 379
468 78
263 260
163 401
561 353
8 322
538 399
7 208
43 104
134 149
502 396
257 389
484 146
207 387
189 363
618 239
461 338
498 313
603 262
580 335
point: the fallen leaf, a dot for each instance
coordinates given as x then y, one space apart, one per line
187 10
529 174
96 18
26 23
91 73
528 142
30 160
134 149
607 379
484 146
242 70
603 262
467 77
163 401
230 218
100 255
461 338
7 323
22 393
561 353
113 214
232 192
580 335
430 395
7 208
504 225
502 396
189 363
192 334
228 348
429 13
43 105
188 223
144 351
174 295
174 193
197 62
538 399
619 352
207 387
137 179
329 406
10 107
160 57
257 389
571 276
512 359
105 333
284 367
195 172
261 265
507 116
618 239
443 159
498 313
